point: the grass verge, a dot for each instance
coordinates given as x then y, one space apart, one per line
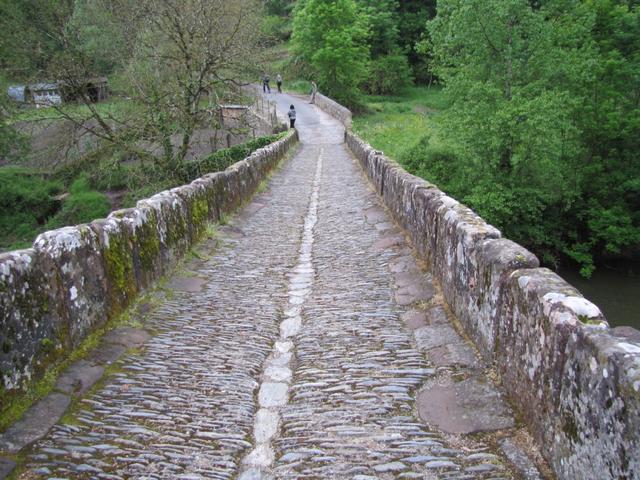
395 124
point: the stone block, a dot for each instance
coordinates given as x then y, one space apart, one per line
495 259
33 320
598 416
172 224
458 234
78 256
148 254
194 196
538 314
116 243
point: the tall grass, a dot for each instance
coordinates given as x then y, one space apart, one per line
395 124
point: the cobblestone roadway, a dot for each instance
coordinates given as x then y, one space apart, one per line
185 407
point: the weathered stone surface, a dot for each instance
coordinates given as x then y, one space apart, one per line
32 316
149 258
334 109
79 377
454 354
79 260
187 284
477 308
6 467
173 224
35 423
129 337
520 460
433 336
469 406
414 319
106 353
116 246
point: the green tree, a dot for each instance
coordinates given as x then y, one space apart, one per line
331 38
544 128
513 77
389 69
609 118
31 33
412 16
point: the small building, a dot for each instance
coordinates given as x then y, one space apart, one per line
18 93
57 93
96 89
45 94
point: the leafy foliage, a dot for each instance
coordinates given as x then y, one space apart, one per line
544 124
26 201
388 74
331 38
81 206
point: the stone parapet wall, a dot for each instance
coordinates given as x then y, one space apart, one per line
334 109
75 279
575 381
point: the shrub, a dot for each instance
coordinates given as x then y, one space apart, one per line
81 206
389 74
26 201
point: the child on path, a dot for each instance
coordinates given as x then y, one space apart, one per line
279 83
292 116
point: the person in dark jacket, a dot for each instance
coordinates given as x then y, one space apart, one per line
265 84
292 115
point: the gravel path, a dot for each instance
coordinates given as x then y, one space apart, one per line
288 352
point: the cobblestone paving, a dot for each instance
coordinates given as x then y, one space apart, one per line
291 361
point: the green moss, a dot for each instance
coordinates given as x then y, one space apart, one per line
148 244
570 428
120 271
47 345
177 229
199 215
589 321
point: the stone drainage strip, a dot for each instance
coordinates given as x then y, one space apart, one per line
274 390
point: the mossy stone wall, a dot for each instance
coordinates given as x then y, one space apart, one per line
75 279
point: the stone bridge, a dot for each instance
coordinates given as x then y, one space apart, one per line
348 321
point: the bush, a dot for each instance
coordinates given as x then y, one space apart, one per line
276 29
26 201
81 206
389 74
222 159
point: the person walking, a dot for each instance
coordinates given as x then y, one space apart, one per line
265 84
314 90
279 83
292 116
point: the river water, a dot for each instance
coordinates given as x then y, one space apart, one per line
617 294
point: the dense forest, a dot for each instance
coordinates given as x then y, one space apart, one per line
540 135
543 130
